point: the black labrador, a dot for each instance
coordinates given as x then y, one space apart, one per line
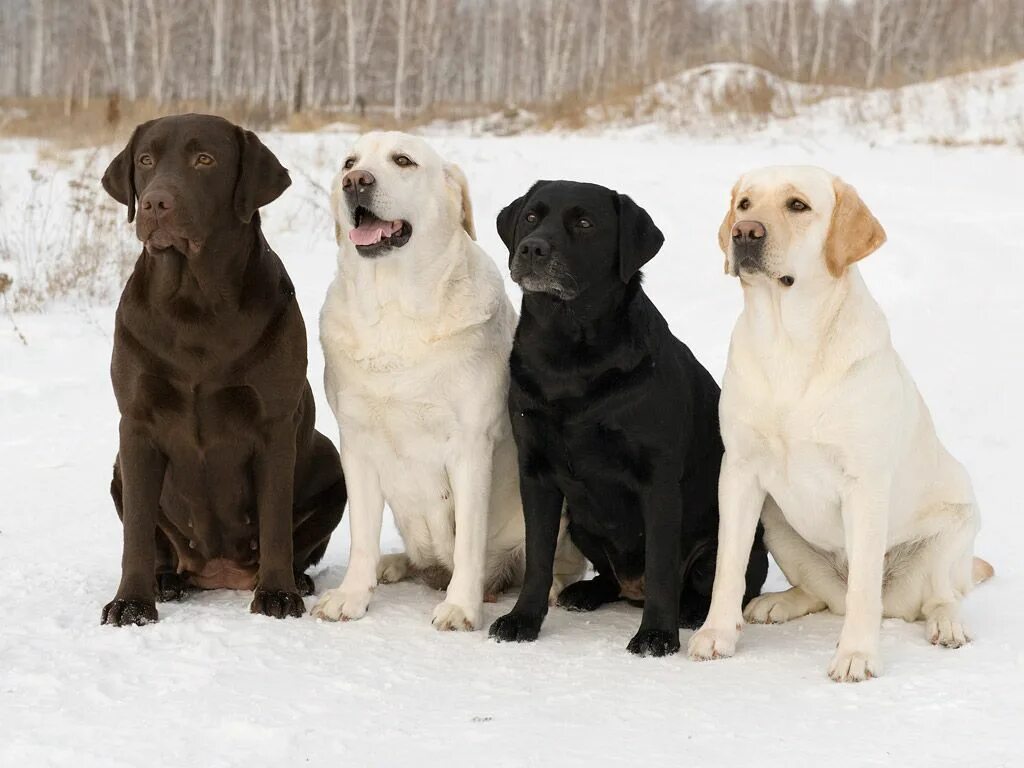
220 480
613 416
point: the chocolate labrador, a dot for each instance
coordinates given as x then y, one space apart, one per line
220 479
613 416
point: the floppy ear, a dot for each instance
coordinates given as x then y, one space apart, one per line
725 231
639 238
336 204
455 176
854 231
510 215
119 178
261 177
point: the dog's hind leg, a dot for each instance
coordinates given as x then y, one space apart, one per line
393 568
816 583
570 564
316 522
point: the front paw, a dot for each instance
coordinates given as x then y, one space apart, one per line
122 612
342 605
516 627
583 596
854 666
170 587
277 603
449 616
654 642
712 643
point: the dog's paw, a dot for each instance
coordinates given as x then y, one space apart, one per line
122 612
338 605
450 616
392 568
946 630
770 608
305 584
516 627
277 603
170 587
712 643
583 596
854 666
654 642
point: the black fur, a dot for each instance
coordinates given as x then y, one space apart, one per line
614 415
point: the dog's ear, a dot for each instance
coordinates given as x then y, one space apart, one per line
119 178
457 178
261 177
725 230
336 204
509 217
639 238
853 233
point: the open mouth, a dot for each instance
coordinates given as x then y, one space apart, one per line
373 235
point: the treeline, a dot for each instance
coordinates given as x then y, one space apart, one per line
421 56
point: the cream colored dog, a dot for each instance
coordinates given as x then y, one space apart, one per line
827 438
416 331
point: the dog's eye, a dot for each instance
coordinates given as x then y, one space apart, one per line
403 161
797 205
145 160
204 159
584 223
349 163
531 217
744 204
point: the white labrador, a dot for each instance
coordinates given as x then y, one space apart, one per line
417 330
827 437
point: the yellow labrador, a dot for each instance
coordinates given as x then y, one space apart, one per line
827 438
417 331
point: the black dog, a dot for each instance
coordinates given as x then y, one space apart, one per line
612 414
220 478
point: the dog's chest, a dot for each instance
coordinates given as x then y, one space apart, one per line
786 442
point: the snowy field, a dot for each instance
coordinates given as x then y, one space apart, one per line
210 685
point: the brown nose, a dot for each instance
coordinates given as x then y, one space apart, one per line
747 231
357 181
157 201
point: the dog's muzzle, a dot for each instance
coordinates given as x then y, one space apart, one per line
748 239
371 234
535 267
159 224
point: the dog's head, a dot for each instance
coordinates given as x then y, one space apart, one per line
193 176
565 238
795 224
394 189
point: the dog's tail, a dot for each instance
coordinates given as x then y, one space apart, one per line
981 570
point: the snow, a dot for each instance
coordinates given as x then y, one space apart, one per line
211 685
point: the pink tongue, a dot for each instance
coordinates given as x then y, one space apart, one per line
373 232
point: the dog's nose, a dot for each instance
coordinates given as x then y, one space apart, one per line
157 200
357 181
747 232
534 248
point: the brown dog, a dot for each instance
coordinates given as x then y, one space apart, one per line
221 480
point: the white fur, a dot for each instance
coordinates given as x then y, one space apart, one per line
829 441
416 344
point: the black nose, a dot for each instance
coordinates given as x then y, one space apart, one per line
744 232
157 199
535 248
357 181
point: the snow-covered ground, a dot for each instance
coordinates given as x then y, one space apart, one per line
210 685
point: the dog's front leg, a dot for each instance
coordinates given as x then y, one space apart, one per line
740 499
663 516
470 471
274 472
365 514
142 476
865 507
542 509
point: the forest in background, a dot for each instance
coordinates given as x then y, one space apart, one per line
268 59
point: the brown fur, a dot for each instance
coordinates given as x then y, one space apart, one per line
220 478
